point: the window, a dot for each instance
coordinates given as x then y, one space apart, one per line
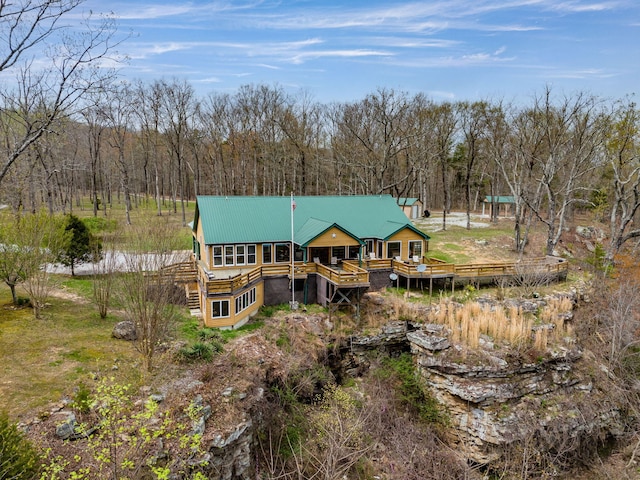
415 248
371 246
196 248
245 300
251 254
219 308
228 255
393 249
240 256
217 256
354 251
337 252
267 253
282 252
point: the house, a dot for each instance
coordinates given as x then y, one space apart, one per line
342 246
412 207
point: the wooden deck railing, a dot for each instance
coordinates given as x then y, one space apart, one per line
351 273
541 265
181 271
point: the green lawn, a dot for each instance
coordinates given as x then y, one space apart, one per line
43 361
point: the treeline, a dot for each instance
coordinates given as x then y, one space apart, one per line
70 129
163 143
138 142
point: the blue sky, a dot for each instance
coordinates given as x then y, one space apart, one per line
341 51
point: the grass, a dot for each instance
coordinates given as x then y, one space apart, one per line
44 360
111 225
455 244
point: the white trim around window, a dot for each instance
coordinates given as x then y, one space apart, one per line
392 252
219 308
415 248
229 255
245 300
217 256
251 254
241 255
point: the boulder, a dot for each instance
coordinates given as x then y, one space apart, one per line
124 331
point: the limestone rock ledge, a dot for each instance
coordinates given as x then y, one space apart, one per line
495 397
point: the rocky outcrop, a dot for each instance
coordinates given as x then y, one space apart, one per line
493 398
497 394
231 454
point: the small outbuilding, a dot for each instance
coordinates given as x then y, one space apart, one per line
412 207
504 203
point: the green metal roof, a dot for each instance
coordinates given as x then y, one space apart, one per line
499 199
268 219
407 201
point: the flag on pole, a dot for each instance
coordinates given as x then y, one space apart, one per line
293 203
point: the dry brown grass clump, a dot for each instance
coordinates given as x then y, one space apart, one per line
511 325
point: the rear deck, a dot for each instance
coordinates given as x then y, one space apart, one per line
355 274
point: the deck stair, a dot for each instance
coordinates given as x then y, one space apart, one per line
181 272
193 300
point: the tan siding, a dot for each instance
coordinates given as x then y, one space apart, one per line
327 239
404 236
233 318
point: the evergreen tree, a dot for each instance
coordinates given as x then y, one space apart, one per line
82 246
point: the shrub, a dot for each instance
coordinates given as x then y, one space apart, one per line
198 352
411 389
18 457
82 399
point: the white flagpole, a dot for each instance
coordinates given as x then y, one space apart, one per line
293 280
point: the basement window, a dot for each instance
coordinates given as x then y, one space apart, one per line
219 308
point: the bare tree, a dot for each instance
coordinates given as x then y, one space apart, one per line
374 139
104 274
41 237
622 151
566 153
41 96
445 124
178 110
147 291
472 117
118 113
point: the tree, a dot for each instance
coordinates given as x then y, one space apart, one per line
374 138
147 290
567 150
178 105
445 124
41 239
473 119
18 457
103 278
15 259
81 246
622 151
41 96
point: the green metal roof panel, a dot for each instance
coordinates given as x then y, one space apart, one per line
268 219
406 201
499 199
310 230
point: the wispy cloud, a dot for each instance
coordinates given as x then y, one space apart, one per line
582 74
303 56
